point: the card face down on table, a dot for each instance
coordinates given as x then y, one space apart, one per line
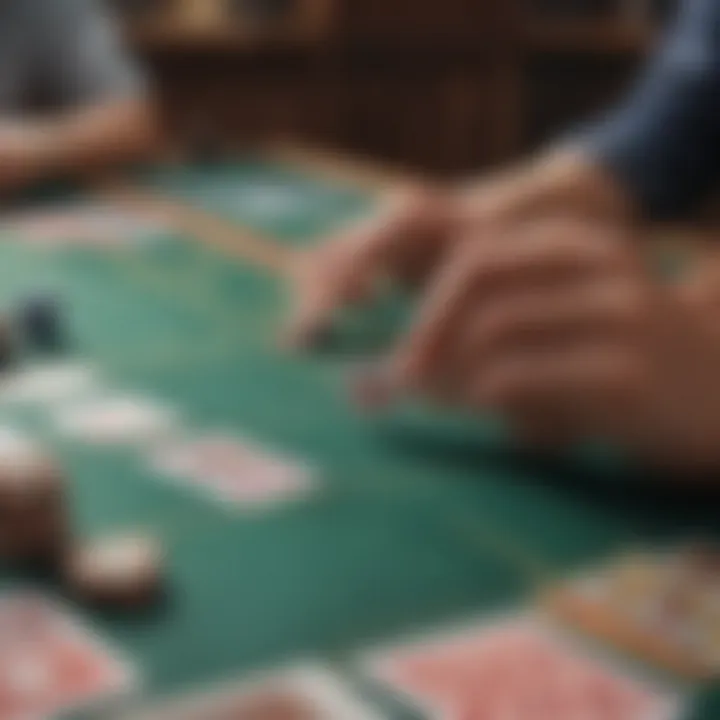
52 663
237 472
662 606
516 668
116 419
92 224
303 693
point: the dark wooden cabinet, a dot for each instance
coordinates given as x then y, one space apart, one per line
449 86
405 23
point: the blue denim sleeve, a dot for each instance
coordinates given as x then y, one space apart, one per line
663 143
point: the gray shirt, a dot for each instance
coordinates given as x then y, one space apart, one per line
61 54
663 143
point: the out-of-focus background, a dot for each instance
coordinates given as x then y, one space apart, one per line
442 85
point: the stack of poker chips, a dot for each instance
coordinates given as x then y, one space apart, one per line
33 509
122 571
36 327
40 323
34 526
35 529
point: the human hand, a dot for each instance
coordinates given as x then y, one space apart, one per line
560 327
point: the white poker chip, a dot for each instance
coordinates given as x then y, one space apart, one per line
27 471
117 569
116 558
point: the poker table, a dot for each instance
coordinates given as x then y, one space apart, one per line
418 517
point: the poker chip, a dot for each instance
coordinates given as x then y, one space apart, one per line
41 323
29 477
39 539
121 571
33 518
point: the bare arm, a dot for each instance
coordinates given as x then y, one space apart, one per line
567 181
75 142
96 107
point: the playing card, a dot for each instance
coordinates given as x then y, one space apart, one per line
116 420
50 663
84 225
660 605
239 472
47 383
309 693
517 669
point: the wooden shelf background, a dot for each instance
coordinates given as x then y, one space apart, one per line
595 36
189 24
449 86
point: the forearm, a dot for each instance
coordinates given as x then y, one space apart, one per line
76 143
560 181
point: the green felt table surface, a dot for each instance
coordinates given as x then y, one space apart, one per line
277 199
418 519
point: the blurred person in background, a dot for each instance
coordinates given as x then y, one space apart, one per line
71 100
534 300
